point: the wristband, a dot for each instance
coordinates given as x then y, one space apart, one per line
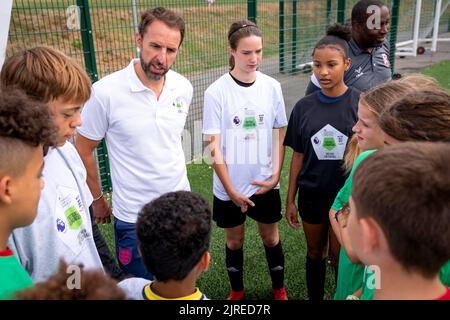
98 198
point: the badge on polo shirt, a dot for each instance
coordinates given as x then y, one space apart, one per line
179 105
386 62
329 143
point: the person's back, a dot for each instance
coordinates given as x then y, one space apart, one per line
26 128
62 228
400 207
174 232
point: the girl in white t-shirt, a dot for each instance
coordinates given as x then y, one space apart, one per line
244 119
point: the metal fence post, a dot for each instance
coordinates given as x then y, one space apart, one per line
91 67
251 10
281 31
294 36
341 12
393 32
328 13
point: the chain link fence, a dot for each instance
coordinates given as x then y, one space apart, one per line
100 35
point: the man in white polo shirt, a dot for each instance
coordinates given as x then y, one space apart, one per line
140 111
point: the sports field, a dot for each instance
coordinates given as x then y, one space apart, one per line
214 283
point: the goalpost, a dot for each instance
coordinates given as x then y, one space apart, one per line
411 47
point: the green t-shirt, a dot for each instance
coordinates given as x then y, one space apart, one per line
350 275
344 194
13 277
445 274
367 292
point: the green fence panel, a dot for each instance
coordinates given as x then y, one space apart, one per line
290 30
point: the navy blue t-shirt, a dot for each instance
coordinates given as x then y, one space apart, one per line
320 127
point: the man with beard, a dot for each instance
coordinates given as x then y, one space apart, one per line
369 50
140 111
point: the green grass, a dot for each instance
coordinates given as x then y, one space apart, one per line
441 72
214 283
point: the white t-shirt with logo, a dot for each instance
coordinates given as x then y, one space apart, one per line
62 228
143 136
244 117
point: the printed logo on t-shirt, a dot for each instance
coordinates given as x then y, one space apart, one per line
70 215
179 105
261 119
358 72
236 120
386 62
60 225
329 143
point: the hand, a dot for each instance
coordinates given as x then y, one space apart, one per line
266 185
102 211
241 201
292 215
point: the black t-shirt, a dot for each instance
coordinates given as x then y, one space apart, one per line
320 127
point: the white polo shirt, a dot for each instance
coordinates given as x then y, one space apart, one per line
244 117
143 136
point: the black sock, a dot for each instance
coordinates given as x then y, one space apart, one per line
275 260
315 278
235 264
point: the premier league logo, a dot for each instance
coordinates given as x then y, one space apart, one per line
60 225
236 120
316 140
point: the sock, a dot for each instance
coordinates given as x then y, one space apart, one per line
315 278
235 264
275 260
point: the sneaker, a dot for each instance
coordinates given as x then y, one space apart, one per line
280 294
236 295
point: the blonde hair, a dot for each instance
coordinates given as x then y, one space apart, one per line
382 97
46 74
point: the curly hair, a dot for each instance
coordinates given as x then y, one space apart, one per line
24 123
94 285
174 232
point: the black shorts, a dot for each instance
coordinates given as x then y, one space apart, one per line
267 210
314 207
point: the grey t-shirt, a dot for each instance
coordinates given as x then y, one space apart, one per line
367 69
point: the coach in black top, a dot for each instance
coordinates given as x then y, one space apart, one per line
369 49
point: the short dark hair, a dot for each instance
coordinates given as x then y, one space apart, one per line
167 16
174 232
420 116
359 11
94 285
24 124
405 188
241 29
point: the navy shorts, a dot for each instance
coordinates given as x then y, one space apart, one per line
267 210
314 207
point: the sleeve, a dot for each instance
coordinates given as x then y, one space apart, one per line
94 118
293 132
343 195
280 112
20 251
211 114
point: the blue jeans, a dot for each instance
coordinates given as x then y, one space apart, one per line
130 260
